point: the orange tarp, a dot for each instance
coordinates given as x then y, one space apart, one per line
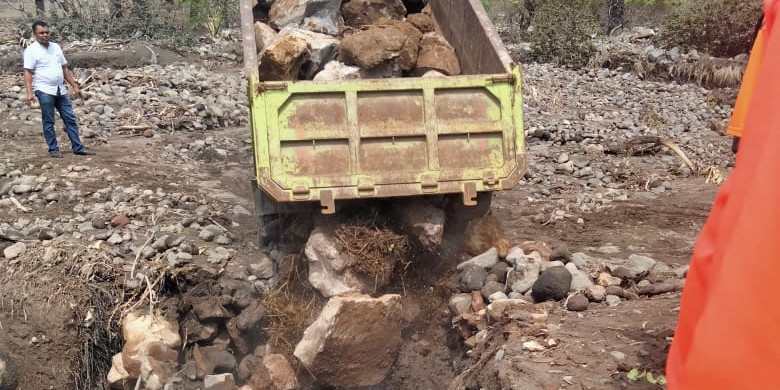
737 123
728 332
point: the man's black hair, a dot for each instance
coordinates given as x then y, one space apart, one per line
39 23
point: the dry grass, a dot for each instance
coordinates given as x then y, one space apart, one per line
290 313
376 250
708 72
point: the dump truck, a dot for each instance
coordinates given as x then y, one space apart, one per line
319 143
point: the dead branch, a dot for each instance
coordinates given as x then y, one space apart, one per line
641 144
19 205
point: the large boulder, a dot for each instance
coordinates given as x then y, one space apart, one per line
322 16
150 353
436 54
264 35
330 268
354 342
323 48
284 58
358 13
396 45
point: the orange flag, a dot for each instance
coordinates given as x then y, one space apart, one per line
728 332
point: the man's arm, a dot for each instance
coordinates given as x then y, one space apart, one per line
28 74
69 78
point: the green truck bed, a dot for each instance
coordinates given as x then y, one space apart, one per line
328 141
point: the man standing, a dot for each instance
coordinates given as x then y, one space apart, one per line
45 73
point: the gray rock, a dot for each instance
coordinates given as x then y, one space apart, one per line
526 271
484 260
115 239
99 223
491 288
618 356
460 304
655 54
223 239
500 270
472 278
217 255
613 300
206 235
263 268
159 244
577 302
553 284
579 280
15 250
322 16
497 296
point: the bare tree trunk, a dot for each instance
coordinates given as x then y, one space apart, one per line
615 14
40 7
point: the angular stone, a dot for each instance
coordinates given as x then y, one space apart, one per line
150 350
397 44
460 304
553 284
472 278
283 58
337 71
361 333
281 372
436 54
219 382
359 13
579 280
264 35
502 307
423 22
211 359
606 280
321 16
484 260
421 220
537 246
217 255
15 250
210 309
596 293
526 271
500 269
263 268
491 288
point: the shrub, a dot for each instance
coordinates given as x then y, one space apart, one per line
561 32
722 28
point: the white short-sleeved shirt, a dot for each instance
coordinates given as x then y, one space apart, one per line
46 64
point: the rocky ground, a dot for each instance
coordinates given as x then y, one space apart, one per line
162 219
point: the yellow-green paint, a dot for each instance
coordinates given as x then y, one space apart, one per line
282 151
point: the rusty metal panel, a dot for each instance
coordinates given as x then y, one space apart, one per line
390 113
398 154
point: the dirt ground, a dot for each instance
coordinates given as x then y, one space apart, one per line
42 304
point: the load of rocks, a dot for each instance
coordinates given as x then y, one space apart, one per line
532 274
327 40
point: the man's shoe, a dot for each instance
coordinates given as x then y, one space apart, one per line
55 154
85 152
